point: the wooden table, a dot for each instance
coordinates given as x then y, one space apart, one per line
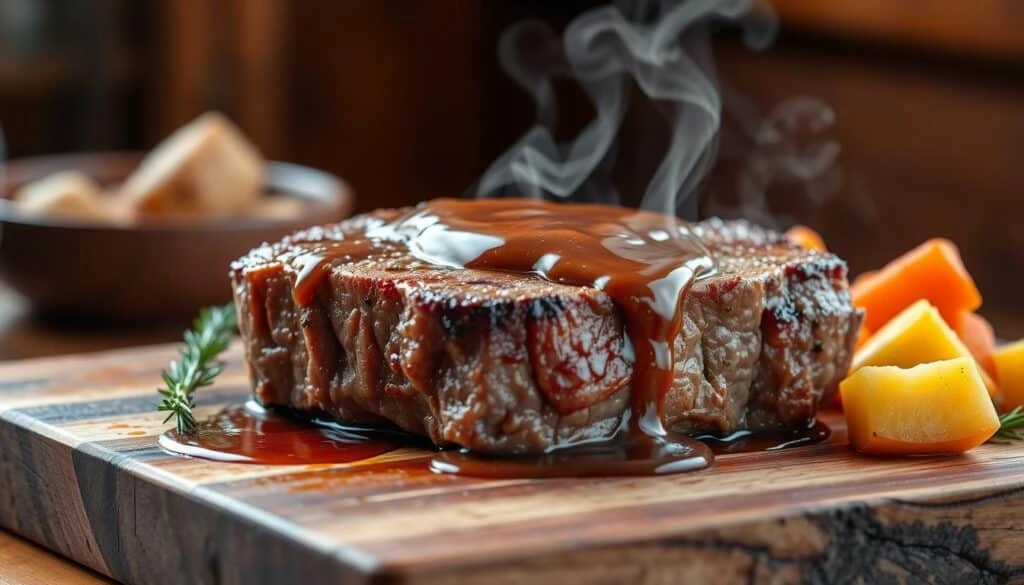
23 563
22 336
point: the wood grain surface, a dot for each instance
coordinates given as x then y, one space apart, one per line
23 563
81 474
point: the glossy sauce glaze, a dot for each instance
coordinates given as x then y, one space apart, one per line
623 458
751 442
249 433
646 262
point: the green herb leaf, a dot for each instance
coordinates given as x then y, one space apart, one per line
1011 427
210 335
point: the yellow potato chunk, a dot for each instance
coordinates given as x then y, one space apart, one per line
917 335
1009 360
934 408
205 168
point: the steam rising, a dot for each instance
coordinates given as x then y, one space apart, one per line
663 46
791 145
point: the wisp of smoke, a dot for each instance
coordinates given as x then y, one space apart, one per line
664 48
791 145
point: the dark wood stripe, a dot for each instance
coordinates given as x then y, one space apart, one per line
11 386
25 495
151 534
137 449
98 487
507 541
857 543
36 499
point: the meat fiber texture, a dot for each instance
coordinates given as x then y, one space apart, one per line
508 363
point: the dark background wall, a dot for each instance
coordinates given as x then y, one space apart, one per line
404 99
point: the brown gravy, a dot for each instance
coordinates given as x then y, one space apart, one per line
627 455
248 433
646 262
749 441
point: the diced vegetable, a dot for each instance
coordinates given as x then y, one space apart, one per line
918 335
933 408
805 237
862 278
979 337
1009 362
933 271
863 335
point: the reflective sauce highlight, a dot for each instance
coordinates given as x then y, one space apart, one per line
248 433
749 441
646 262
628 454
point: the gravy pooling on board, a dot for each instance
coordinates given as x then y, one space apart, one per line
249 433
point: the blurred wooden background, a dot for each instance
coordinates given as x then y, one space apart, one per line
404 99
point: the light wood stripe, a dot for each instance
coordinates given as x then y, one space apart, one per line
22 563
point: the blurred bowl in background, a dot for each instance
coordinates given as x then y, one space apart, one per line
156 270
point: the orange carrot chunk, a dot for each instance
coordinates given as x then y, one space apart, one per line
932 271
862 336
806 238
979 337
863 277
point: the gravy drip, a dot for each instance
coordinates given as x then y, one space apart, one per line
645 261
248 433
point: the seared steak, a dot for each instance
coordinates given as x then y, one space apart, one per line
511 363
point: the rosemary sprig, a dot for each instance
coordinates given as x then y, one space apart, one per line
210 335
1011 427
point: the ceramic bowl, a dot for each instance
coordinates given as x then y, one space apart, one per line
154 270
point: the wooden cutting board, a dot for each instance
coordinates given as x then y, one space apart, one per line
81 473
